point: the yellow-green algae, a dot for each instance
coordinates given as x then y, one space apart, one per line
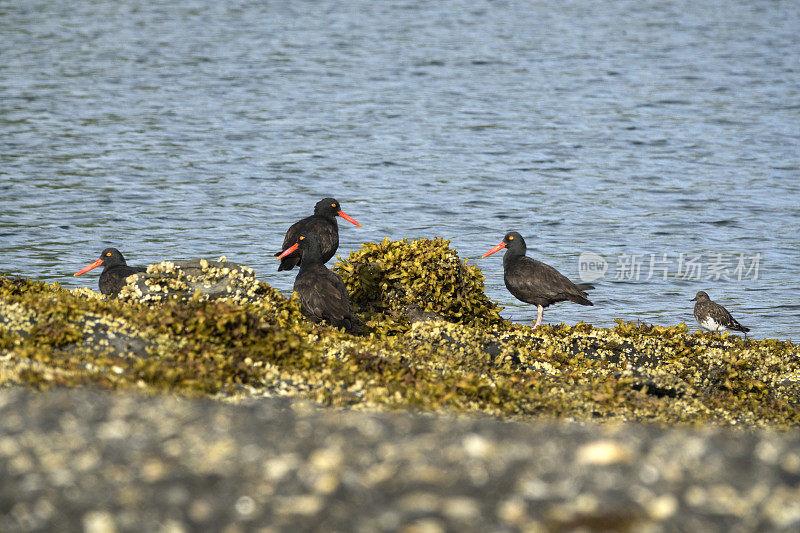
385 278
258 343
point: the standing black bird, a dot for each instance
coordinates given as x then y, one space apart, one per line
713 317
115 271
322 293
323 224
534 282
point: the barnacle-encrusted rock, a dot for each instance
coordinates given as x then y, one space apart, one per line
203 280
463 358
53 336
184 279
102 333
385 278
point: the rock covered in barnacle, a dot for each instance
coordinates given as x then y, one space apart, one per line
209 280
236 347
51 336
41 320
90 331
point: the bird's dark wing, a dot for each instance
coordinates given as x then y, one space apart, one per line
294 231
531 280
739 327
722 317
327 234
323 296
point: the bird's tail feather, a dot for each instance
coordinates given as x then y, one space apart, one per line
578 299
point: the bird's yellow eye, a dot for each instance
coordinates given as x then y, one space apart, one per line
108 254
301 238
333 205
510 237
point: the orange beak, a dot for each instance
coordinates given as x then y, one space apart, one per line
348 218
89 267
495 249
289 250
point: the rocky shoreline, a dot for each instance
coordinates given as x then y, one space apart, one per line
432 341
469 422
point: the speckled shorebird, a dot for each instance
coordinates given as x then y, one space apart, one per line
115 271
323 224
322 293
535 282
713 317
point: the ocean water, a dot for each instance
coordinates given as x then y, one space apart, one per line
659 141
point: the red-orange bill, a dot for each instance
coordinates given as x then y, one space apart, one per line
289 250
87 268
349 218
495 249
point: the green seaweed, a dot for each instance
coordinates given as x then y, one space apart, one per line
385 278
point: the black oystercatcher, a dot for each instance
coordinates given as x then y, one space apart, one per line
534 282
115 271
713 317
322 293
323 224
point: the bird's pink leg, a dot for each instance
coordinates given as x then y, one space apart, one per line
539 317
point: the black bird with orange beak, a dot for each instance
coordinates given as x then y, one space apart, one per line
322 224
323 295
535 282
115 271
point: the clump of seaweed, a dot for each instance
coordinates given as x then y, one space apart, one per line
385 278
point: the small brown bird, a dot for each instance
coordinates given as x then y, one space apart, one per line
713 317
535 282
322 293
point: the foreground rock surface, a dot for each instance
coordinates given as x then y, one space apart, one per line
75 460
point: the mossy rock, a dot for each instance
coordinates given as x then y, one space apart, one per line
464 359
60 337
385 278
